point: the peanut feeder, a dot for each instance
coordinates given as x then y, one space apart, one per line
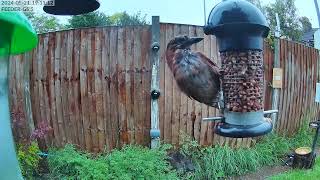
240 27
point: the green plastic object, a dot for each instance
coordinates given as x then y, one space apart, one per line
16 36
18 32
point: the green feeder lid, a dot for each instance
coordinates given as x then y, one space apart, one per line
16 33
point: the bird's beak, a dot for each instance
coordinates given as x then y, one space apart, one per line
192 40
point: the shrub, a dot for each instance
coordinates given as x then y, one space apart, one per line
69 163
131 162
28 159
136 162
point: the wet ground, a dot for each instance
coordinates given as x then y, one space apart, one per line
263 173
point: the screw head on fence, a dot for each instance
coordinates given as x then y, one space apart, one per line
155 46
155 94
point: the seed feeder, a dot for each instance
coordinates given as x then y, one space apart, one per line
16 36
71 7
240 28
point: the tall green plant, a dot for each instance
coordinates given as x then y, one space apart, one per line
222 161
28 159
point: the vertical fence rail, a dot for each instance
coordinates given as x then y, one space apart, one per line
275 91
155 78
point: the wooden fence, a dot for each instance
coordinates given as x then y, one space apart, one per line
301 71
92 86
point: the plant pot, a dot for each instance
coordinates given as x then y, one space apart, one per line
303 158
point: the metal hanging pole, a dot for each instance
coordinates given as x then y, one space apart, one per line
155 78
276 91
317 9
204 12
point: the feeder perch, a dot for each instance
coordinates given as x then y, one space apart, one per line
240 28
71 7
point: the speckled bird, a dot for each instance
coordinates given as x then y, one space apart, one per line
196 75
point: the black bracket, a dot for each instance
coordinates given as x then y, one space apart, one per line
155 46
155 94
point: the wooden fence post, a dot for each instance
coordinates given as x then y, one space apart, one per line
275 91
276 64
155 92
26 92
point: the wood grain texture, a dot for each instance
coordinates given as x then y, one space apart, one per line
129 85
105 58
176 96
93 87
84 90
168 92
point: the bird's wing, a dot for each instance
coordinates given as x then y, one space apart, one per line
198 78
206 60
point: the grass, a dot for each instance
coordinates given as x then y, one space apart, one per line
300 174
222 161
219 162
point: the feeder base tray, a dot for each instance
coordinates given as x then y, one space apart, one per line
243 131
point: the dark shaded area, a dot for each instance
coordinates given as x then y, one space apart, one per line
180 162
72 7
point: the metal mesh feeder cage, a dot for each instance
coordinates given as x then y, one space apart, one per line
240 28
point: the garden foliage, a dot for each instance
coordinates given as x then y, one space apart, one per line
131 162
137 162
28 159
